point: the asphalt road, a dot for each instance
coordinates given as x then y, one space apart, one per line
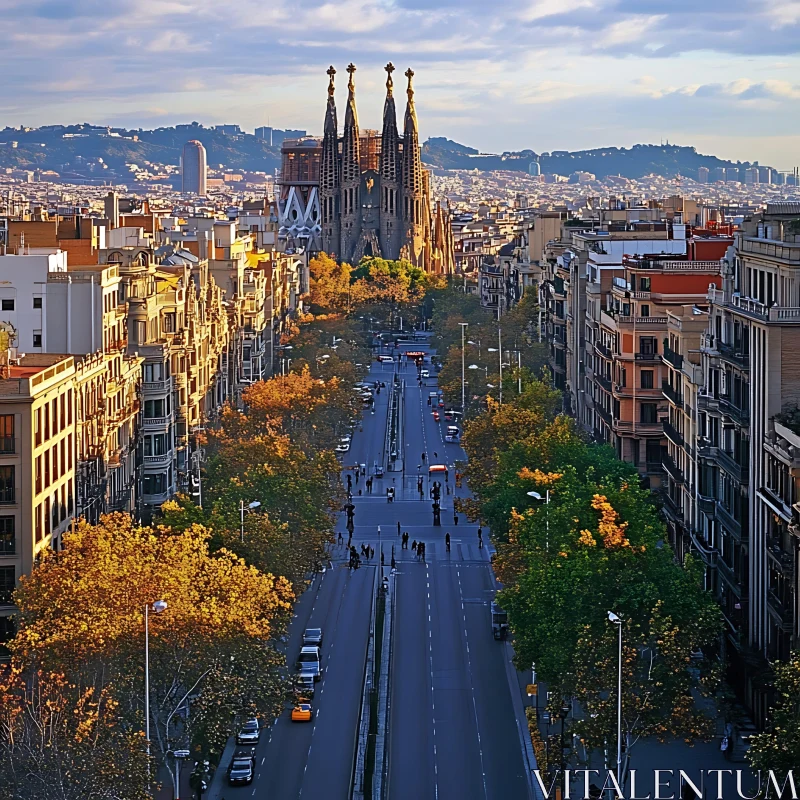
452 726
453 732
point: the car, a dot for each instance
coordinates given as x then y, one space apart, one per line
343 447
386 359
241 770
424 373
308 663
435 415
302 712
312 637
304 686
345 439
249 733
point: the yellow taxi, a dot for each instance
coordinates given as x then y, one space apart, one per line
302 712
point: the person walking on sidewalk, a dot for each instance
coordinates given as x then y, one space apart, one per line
447 541
480 538
414 545
423 552
398 527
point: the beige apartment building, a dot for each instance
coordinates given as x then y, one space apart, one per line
37 463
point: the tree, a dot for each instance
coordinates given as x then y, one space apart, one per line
329 283
81 616
63 741
779 747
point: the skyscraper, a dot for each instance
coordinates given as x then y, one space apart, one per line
193 168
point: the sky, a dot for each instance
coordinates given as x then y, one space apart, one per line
720 75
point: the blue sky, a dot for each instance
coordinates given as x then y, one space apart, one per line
544 74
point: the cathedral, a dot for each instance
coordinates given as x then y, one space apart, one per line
374 195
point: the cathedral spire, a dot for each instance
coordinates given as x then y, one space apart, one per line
411 111
389 136
351 168
330 113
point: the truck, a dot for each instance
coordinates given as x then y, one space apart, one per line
499 622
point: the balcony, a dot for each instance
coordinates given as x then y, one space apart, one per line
780 611
707 402
156 422
728 520
671 357
604 382
652 358
782 561
672 468
156 499
740 415
8 446
673 395
604 415
741 472
163 460
707 505
639 428
645 322
735 354
602 350
672 434
160 387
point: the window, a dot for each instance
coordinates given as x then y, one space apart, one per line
7 305
37 424
644 283
155 484
38 474
62 412
647 378
152 373
6 433
37 516
7 485
7 542
653 451
46 468
644 310
8 579
37 302
154 409
648 413
648 345
157 445
37 339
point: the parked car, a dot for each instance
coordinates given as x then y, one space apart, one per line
343 447
249 733
312 637
242 767
425 373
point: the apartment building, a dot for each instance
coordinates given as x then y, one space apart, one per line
747 490
37 463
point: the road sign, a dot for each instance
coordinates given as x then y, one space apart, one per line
532 690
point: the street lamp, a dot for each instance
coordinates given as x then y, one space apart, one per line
476 344
546 498
614 619
475 366
463 387
499 351
251 506
158 606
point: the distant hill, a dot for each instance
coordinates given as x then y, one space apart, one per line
636 162
68 148
73 144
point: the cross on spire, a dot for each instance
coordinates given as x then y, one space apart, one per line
389 82
331 73
351 68
410 90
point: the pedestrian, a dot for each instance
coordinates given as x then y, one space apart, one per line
414 545
455 517
423 552
359 492
398 527
340 538
429 400
480 531
356 477
480 539
447 541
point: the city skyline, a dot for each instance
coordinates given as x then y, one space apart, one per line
664 75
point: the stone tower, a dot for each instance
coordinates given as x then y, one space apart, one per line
412 183
391 231
351 173
330 176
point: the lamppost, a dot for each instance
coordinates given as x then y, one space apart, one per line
476 344
499 351
546 498
251 506
158 606
614 619
475 366
463 386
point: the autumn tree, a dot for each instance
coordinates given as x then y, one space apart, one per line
61 740
81 617
329 284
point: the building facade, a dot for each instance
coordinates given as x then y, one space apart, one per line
194 168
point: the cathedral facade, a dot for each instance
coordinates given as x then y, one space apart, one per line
374 195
